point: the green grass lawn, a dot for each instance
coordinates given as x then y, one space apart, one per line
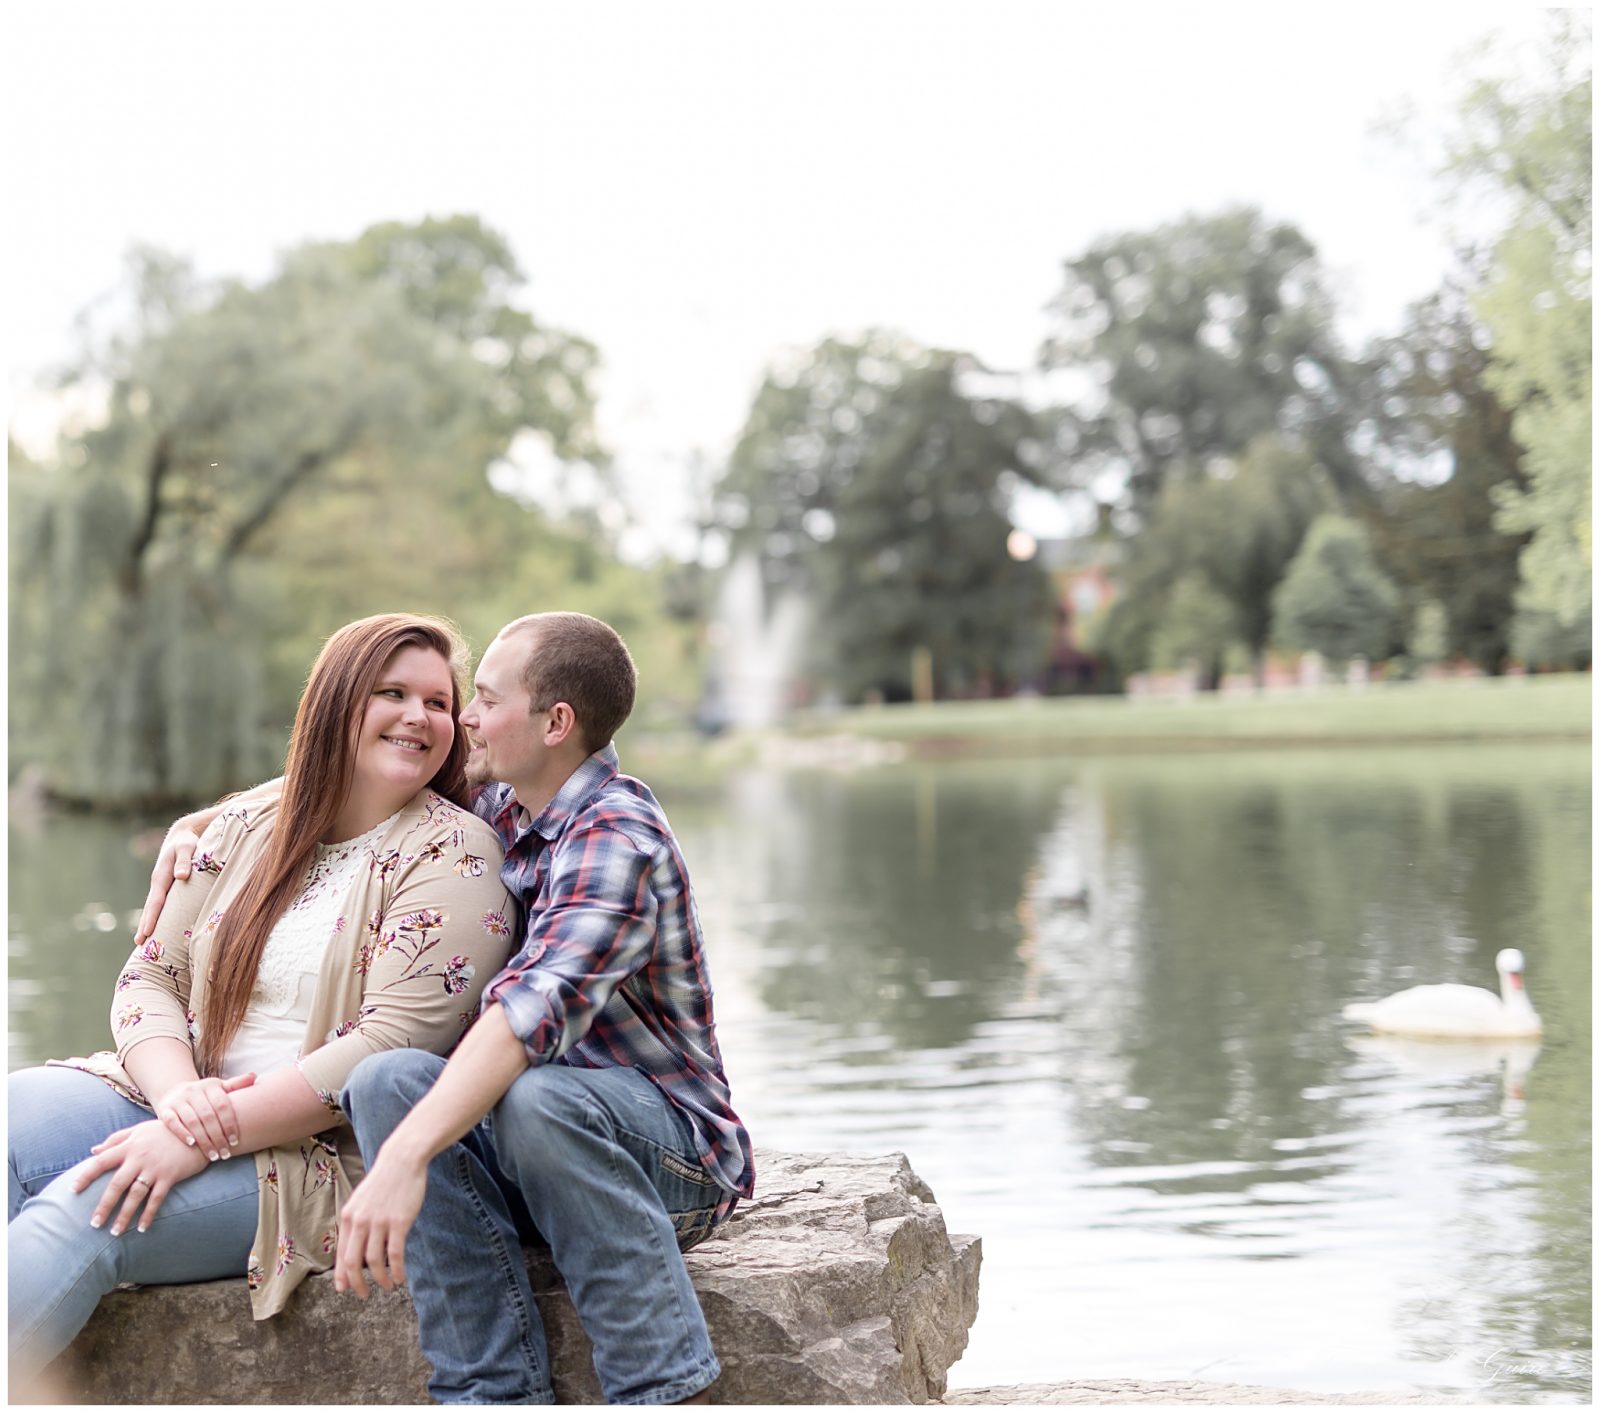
1529 708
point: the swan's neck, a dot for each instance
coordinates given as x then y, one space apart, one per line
1513 994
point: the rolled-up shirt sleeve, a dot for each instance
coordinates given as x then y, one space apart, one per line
597 929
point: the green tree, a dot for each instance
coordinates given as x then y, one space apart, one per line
458 280
1429 638
1532 143
872 477
459 276
1540 639
1198 625
919 556
1198 338
1430 399
272 457
811 425
1231 534
1335 600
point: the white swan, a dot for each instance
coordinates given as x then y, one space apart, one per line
1456 1012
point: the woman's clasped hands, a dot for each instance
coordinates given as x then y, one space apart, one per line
145 1162
200 1113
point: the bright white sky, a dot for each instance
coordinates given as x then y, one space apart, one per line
695 185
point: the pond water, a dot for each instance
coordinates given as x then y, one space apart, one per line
1097 1004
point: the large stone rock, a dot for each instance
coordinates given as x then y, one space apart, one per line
837 1284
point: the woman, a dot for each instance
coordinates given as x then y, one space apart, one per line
360 912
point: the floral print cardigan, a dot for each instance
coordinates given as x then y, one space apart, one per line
425 926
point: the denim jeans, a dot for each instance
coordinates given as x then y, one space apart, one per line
599 1164
60 1266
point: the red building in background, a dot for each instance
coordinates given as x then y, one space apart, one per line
1083 574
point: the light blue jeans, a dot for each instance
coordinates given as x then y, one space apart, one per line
60 1266
601 1165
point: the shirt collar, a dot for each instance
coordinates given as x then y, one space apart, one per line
577 790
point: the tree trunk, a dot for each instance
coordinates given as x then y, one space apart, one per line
1258 666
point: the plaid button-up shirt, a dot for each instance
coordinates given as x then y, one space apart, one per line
612 969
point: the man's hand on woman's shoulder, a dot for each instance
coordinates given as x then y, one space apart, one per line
175 861
172 864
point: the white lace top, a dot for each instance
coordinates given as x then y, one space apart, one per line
274 1025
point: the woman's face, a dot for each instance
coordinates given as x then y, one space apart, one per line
407 728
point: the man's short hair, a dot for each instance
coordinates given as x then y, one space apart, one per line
581 661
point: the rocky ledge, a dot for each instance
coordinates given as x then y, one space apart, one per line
1103 1391
837 1284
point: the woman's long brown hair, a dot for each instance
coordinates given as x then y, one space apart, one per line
316 780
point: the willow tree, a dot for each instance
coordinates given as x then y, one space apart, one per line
326 413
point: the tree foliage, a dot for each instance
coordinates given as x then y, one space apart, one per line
812 424
1219 541
1430 400
873 477
919 558
1198 625
1334 599
458 276
1533 144
273 459
1195 340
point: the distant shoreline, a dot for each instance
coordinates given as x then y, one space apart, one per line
1556 707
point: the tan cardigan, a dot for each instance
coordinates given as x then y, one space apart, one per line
423 929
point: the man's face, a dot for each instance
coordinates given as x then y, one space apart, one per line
507 743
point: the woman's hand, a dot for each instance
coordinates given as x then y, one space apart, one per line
146 1163
199 1112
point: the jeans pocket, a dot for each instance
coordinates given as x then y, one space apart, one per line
692 1227
690 1194
691 1175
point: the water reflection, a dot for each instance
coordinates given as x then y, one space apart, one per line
72 885
1453 1060
1099 1005
1143 1088
886 901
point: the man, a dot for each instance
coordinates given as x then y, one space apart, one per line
587 1103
